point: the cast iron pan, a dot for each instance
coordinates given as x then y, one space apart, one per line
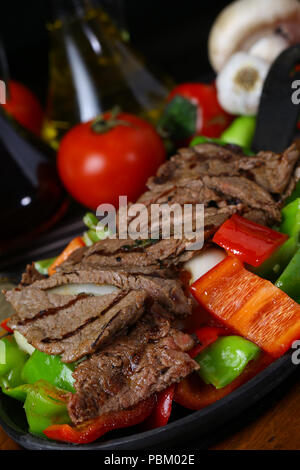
275 130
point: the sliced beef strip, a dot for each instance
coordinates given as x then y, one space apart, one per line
30 275
269 170
74 326
167 292
225 196
223 179
149 359
158 259
77 325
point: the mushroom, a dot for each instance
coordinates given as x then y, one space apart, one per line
263 27
240 83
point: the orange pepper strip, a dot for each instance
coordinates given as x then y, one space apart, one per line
72 246
250 306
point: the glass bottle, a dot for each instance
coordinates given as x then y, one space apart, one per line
93 69
31 197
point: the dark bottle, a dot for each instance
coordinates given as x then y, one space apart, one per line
31 197
92 69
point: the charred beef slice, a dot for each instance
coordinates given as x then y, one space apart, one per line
223 179
147 360
76 325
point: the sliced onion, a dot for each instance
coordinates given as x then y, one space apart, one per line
204 262
23 343
75 289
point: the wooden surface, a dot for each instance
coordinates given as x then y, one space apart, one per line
272 425
276 427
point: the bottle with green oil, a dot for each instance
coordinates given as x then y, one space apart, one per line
92 69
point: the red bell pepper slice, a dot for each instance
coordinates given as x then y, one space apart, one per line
92 430
206 336
250 242
194 394
4 325
250 306
162 411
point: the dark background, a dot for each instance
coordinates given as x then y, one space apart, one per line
171 34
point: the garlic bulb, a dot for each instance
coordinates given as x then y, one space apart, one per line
240 83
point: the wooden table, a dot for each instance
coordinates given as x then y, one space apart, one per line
273 424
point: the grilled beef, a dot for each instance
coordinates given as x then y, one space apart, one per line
128 336
149 359
223 179
74 326
31 275
269 170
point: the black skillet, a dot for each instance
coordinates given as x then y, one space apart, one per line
275 130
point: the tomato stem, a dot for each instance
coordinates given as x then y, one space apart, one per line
100 124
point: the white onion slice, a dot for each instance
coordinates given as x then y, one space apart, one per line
204 262
23 343
75 289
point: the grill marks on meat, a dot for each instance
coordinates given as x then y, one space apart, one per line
74 326
149 359
224 180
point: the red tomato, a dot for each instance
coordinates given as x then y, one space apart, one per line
212 120
24 107
98 167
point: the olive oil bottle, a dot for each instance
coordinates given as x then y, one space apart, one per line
93 69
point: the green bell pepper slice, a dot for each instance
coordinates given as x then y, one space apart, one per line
289 281
274 266
240 132
295 195
291 219
90 220
18 393
42 266
44 406
223 361
41 366
95 232
12 360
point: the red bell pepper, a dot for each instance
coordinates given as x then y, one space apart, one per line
194 394
162 411
4 325
250 306
92 430
250 242
206 336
